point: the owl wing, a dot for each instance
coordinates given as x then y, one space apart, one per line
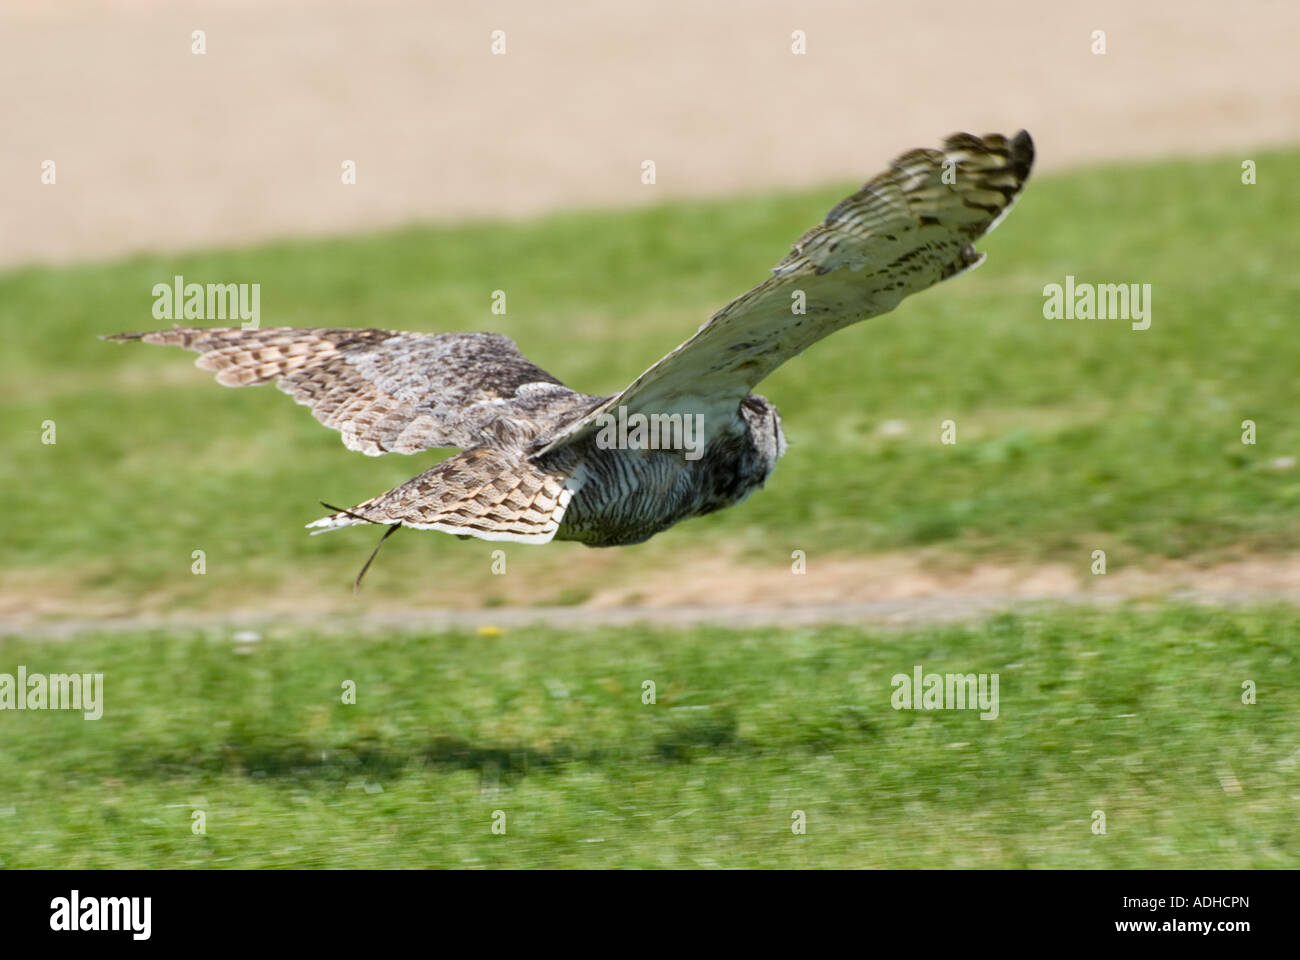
492 492
907 229
385 391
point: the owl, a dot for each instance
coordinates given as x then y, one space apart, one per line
541 461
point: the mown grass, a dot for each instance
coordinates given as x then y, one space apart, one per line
1072 435
1137 714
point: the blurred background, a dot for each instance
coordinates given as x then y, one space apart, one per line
147 140
161 149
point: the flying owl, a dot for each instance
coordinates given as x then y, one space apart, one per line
541 461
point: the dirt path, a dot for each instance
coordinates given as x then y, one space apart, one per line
933 610
158 148
883 590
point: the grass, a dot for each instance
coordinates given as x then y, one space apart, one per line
1072 435
1134 713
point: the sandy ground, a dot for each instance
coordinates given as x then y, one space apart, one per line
892 589
156 148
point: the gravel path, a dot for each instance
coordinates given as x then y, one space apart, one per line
887 614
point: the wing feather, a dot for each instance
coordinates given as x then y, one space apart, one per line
384 391
488 492
904 231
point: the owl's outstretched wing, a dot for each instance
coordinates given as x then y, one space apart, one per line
385 391
907 229
490 492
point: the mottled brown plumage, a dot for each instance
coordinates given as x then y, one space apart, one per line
534 465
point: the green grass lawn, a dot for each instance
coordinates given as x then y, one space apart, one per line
1072 434
1135 714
